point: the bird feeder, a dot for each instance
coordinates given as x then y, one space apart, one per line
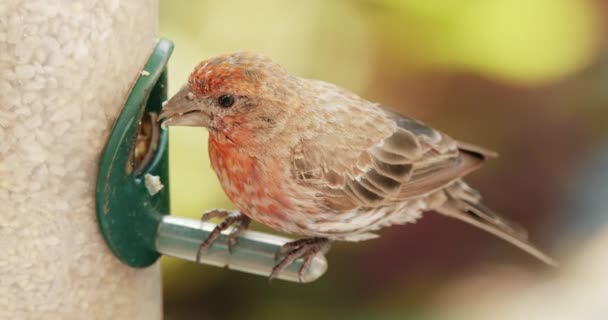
132 196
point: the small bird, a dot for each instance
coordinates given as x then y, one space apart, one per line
310 158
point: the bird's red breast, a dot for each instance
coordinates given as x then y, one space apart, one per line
254 187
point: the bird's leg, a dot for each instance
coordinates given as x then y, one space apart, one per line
236 219
303 248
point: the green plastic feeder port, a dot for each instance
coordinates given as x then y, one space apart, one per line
132 196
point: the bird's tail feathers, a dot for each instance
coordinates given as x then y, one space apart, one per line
464 204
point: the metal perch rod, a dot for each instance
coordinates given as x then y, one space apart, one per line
253 253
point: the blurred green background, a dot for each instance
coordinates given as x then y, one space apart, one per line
526 78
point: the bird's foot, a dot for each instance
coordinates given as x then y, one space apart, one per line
303 248
238 221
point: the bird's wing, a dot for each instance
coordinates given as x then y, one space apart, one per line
408 161
411 161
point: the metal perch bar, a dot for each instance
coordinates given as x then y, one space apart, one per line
254 252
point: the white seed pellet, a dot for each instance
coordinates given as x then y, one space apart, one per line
153 184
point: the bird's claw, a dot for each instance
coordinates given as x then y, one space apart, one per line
304 248
235 219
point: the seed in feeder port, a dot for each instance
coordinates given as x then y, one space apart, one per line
153 184
145 73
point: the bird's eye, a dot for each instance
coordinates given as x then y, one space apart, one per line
225 100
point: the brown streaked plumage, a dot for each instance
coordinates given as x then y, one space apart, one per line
307 157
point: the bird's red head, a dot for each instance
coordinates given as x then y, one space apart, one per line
240 96
239 73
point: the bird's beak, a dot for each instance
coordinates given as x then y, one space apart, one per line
183 109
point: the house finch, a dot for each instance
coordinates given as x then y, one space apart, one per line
310 158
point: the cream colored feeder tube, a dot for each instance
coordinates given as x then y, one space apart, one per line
65 70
